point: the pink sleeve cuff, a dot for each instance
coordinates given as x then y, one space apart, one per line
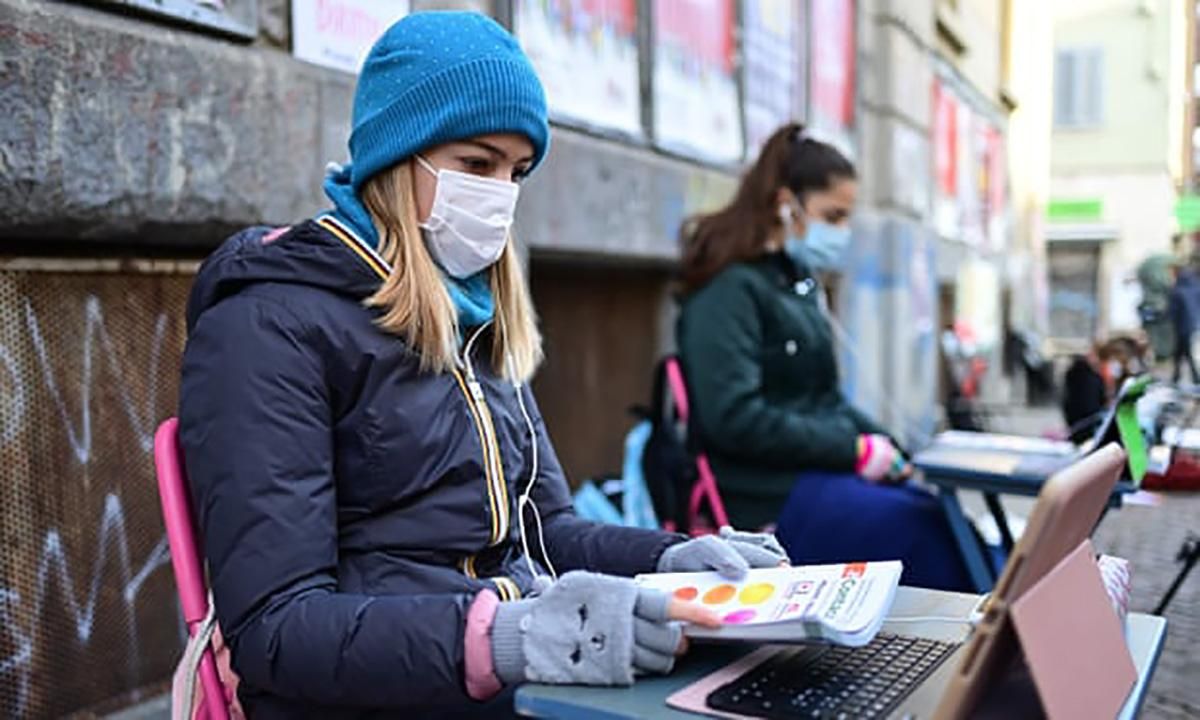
877 458
863 446
482 682
275 234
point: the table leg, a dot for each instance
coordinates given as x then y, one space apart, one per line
968 544
1001 518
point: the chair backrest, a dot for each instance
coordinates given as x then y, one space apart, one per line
187 561
705 488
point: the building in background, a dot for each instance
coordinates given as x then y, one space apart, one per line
1029 88
941 242
140 133
1187 211
1118 157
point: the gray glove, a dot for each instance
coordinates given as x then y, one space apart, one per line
585 629
732 553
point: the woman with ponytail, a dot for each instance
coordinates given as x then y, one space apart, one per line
757 347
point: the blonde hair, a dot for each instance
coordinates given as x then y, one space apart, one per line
415 303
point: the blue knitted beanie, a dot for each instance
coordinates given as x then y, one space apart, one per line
437 77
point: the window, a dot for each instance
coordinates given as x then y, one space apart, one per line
1078 88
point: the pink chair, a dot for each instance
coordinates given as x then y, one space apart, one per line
705 487
201 655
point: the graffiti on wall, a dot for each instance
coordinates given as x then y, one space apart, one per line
88 367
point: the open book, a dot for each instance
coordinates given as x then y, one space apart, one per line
843 604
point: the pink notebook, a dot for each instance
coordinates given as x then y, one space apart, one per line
693 697
1073 642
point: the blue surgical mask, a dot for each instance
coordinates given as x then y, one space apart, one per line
822 246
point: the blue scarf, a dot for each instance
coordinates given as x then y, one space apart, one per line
472 296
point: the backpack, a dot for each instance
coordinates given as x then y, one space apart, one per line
676 470
622 500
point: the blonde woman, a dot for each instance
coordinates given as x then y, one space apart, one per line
384 518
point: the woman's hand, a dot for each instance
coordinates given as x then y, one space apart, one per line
692 613
593 630
731 553
904 472
879 461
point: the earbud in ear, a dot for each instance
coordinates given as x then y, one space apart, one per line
786 214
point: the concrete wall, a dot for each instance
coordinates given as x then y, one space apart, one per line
1142 92
1178 30
1139 207
1132 162
600 198
121 129
980 21
882 354
891 289
1029 130
118 129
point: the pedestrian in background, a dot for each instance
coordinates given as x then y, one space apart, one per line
1182 308
1086 393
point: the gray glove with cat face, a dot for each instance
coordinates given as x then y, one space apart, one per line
585 629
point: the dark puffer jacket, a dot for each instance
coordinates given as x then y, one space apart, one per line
352 506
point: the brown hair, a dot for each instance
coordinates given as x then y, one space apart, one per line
740 230
414 300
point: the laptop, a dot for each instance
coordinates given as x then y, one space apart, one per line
1034 459
902 677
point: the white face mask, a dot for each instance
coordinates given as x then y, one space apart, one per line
468 225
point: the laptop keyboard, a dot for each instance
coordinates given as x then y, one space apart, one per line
832 681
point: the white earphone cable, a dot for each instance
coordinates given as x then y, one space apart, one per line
526 496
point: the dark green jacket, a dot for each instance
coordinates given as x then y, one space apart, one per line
759 358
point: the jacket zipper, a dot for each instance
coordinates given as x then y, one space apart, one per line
493 468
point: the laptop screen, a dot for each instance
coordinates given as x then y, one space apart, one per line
1121 426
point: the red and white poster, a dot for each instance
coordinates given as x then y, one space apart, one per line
586 53
996 199
695 92
972 175
945 157
969 199
340 33
945 138
832 70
